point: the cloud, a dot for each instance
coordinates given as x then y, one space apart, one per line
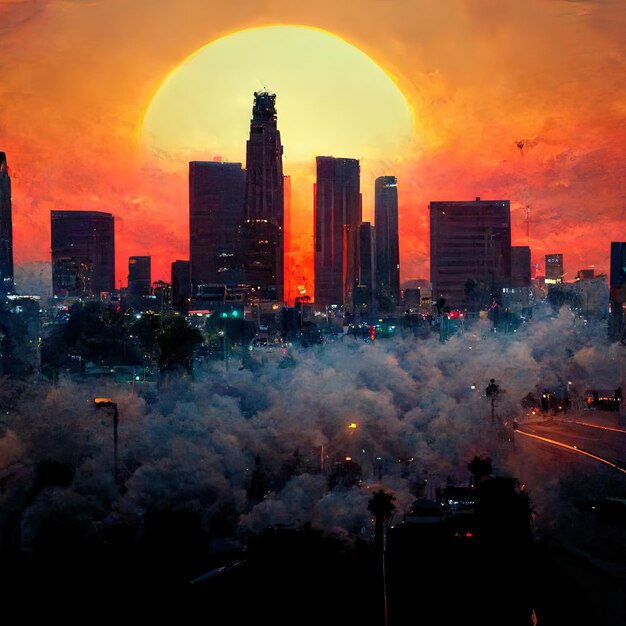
195 444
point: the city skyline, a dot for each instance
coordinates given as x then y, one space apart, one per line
543 131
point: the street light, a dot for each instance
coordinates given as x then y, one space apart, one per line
107 403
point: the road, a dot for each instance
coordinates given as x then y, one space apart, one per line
586 449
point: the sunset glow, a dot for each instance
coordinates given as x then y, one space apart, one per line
502 100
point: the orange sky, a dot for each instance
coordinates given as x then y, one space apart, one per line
481 75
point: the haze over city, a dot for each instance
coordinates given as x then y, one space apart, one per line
441 185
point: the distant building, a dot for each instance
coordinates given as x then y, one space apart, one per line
617 292
364 289
554 269
20 335
589 298
517 295
585 274
387 242
83 253
264 207
412 299
181 284
140 275
337 215
6 229
216 211
470 251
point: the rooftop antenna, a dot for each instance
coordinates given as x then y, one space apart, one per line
528 225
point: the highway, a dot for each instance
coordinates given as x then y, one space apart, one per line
592 444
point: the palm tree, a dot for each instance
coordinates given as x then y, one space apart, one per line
381 506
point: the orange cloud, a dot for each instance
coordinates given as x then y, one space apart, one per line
481 77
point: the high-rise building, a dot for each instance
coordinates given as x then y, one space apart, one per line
6 229
289 294
337 215
387 242
181 283
470 251
139 279
83 253
216 211
364 289
518 295
554 269
520 266
264 208
617 292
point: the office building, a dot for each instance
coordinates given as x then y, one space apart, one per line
387 242
262 233
554 269
518 294
139 276
216 211
181 284
83 253
617 292
337 215
470 252
6 229
364 290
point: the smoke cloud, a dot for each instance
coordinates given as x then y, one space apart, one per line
195 443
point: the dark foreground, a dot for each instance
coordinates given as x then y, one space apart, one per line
296 577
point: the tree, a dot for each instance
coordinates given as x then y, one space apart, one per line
480 467
177 344
381 506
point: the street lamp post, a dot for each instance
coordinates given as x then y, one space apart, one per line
109 404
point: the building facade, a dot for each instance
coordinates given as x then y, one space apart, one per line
140 275
617 292
337 215
470 251
554 269
387 242
262 232
83 253
364 290
216 212
6 229
181 284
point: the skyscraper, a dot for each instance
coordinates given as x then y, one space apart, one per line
554 268
216 211
337 215
264 209
83 253
181 284
470 251
617 292
364 289
139 275
6 229
387 242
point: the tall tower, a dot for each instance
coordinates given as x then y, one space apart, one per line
216 203
262 230
139 275
337 215
83 253
554 268
470 251
364 288
6 229
617 292
387 242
